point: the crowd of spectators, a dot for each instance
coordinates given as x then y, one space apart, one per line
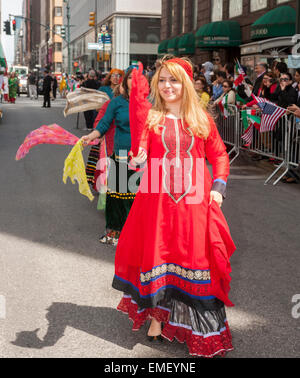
213 81
275 83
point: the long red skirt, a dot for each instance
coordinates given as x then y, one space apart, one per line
170 262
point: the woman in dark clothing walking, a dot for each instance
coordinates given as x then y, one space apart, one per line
54 87
47 89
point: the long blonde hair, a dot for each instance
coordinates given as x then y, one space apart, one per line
191 111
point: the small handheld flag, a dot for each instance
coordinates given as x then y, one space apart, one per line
271 113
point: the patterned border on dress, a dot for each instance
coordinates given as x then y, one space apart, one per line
189 274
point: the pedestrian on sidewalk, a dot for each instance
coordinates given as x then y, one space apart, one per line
47 83
32 86
54 86
174 247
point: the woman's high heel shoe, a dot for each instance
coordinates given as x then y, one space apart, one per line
158 338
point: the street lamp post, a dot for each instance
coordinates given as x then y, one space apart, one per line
96 34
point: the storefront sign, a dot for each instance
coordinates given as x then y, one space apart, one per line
215 38
250 50
257 33
94 46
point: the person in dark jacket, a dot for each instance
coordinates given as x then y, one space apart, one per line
47 89
260 69
285 94
32 86
91 83
54 87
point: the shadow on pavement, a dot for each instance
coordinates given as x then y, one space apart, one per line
94 321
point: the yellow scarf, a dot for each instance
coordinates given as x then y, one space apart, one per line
75 169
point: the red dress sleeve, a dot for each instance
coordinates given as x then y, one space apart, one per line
216 154
144 143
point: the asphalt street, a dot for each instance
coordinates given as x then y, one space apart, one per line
56 298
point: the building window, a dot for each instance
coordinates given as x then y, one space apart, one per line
172 17
195 14
235 8
217 10
58 46
57 29
256 5
282 1
58 12
58 67
144 30
181 15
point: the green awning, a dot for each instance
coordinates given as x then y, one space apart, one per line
186 44
279 22
163 47
173 46
219 34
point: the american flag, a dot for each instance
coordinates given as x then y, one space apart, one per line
270 113
248 135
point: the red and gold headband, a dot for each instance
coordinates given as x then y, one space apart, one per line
184 64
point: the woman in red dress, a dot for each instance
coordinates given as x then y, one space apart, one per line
172 259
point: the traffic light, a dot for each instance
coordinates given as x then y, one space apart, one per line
92 19
7 27
63 32
14 24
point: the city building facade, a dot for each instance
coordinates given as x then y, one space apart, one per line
31 32
133 26
251 30
55 40
45 34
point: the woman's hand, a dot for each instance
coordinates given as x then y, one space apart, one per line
140 158
86 140
216 196
294 109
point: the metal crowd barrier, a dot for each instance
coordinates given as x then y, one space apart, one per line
228 130
294 142
282 144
